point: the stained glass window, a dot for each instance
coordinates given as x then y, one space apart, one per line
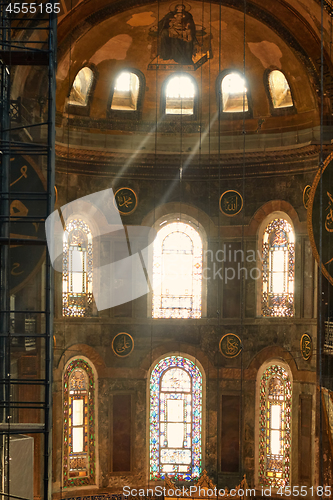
177 272
279 90
234 94
81 87
275 427
79 424
278 269
77 269
175 419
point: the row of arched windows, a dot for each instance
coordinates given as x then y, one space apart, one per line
180 92
176 416
178 270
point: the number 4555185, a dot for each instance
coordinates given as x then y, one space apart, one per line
32 8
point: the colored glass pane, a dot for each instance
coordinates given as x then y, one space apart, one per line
175 419
275 427
77 269
79 425
278 261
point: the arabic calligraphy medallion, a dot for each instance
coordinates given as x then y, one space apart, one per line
230 345
231 203
306 346
320 218
306 196
122 344
125 200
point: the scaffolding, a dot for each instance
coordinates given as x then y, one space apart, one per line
27 135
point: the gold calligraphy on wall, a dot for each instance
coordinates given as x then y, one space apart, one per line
230 345
231 203
125 200
306 346
122 344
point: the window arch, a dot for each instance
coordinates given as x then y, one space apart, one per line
175 419
77 269
234 93
278 269
177 272
180 93
279 90
81 87
79 425
126 91
275 398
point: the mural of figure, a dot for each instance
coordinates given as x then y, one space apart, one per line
177 36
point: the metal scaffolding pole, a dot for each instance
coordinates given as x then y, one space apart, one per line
26 40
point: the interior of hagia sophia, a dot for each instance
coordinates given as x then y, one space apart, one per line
179 331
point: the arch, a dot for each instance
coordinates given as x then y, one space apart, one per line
176 419
279 90
82 87
77 273
126 92
180 95
233 93
177 271
277 242
79 423
273 424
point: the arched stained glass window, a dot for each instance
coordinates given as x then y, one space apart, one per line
278 269
79 424
175 419
126 92
234 94
77 269
177 272
81 87
279 90
275 427
179 96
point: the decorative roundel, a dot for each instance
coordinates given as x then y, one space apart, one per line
231 203
230 345
320 218
306 195
125 200
122 344
306 346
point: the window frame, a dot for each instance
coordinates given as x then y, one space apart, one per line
290 110
89 272
81 363
179 117
227 115
199 367
134 114
259 415
183 220
83 109
263 226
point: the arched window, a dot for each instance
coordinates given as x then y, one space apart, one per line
234 94
126 92
279 90
177 272
275 427
278 261
175 419
77 269
79 424
179 95
81 87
